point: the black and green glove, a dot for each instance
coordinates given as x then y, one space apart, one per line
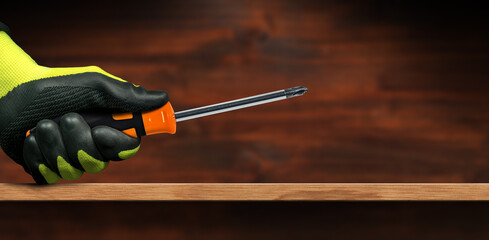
30 95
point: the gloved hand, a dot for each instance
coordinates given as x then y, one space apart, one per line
30 95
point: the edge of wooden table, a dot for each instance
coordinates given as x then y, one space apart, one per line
243 191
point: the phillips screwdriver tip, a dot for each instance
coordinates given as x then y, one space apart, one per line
295 91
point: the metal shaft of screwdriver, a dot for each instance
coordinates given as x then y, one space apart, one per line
239 103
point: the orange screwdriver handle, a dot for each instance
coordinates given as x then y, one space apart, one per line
161 120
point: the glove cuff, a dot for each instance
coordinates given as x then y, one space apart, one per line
16 66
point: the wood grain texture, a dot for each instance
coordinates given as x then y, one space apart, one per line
238 192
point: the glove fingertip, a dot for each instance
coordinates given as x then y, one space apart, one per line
91 164
33 159
50 176
149 99
128 153
113 144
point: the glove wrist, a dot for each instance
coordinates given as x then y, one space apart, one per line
15 65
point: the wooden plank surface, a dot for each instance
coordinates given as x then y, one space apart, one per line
246 191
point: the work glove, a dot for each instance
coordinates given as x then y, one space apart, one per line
31 95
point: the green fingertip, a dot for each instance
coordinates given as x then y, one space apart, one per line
91 164
67 171
128 153
50 176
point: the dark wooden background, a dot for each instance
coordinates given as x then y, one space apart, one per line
398 93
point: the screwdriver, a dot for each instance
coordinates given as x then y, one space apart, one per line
164 119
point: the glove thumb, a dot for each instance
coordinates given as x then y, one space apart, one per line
103 90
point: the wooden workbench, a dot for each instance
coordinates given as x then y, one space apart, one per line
245 191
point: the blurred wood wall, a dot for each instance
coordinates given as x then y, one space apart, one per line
398 93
